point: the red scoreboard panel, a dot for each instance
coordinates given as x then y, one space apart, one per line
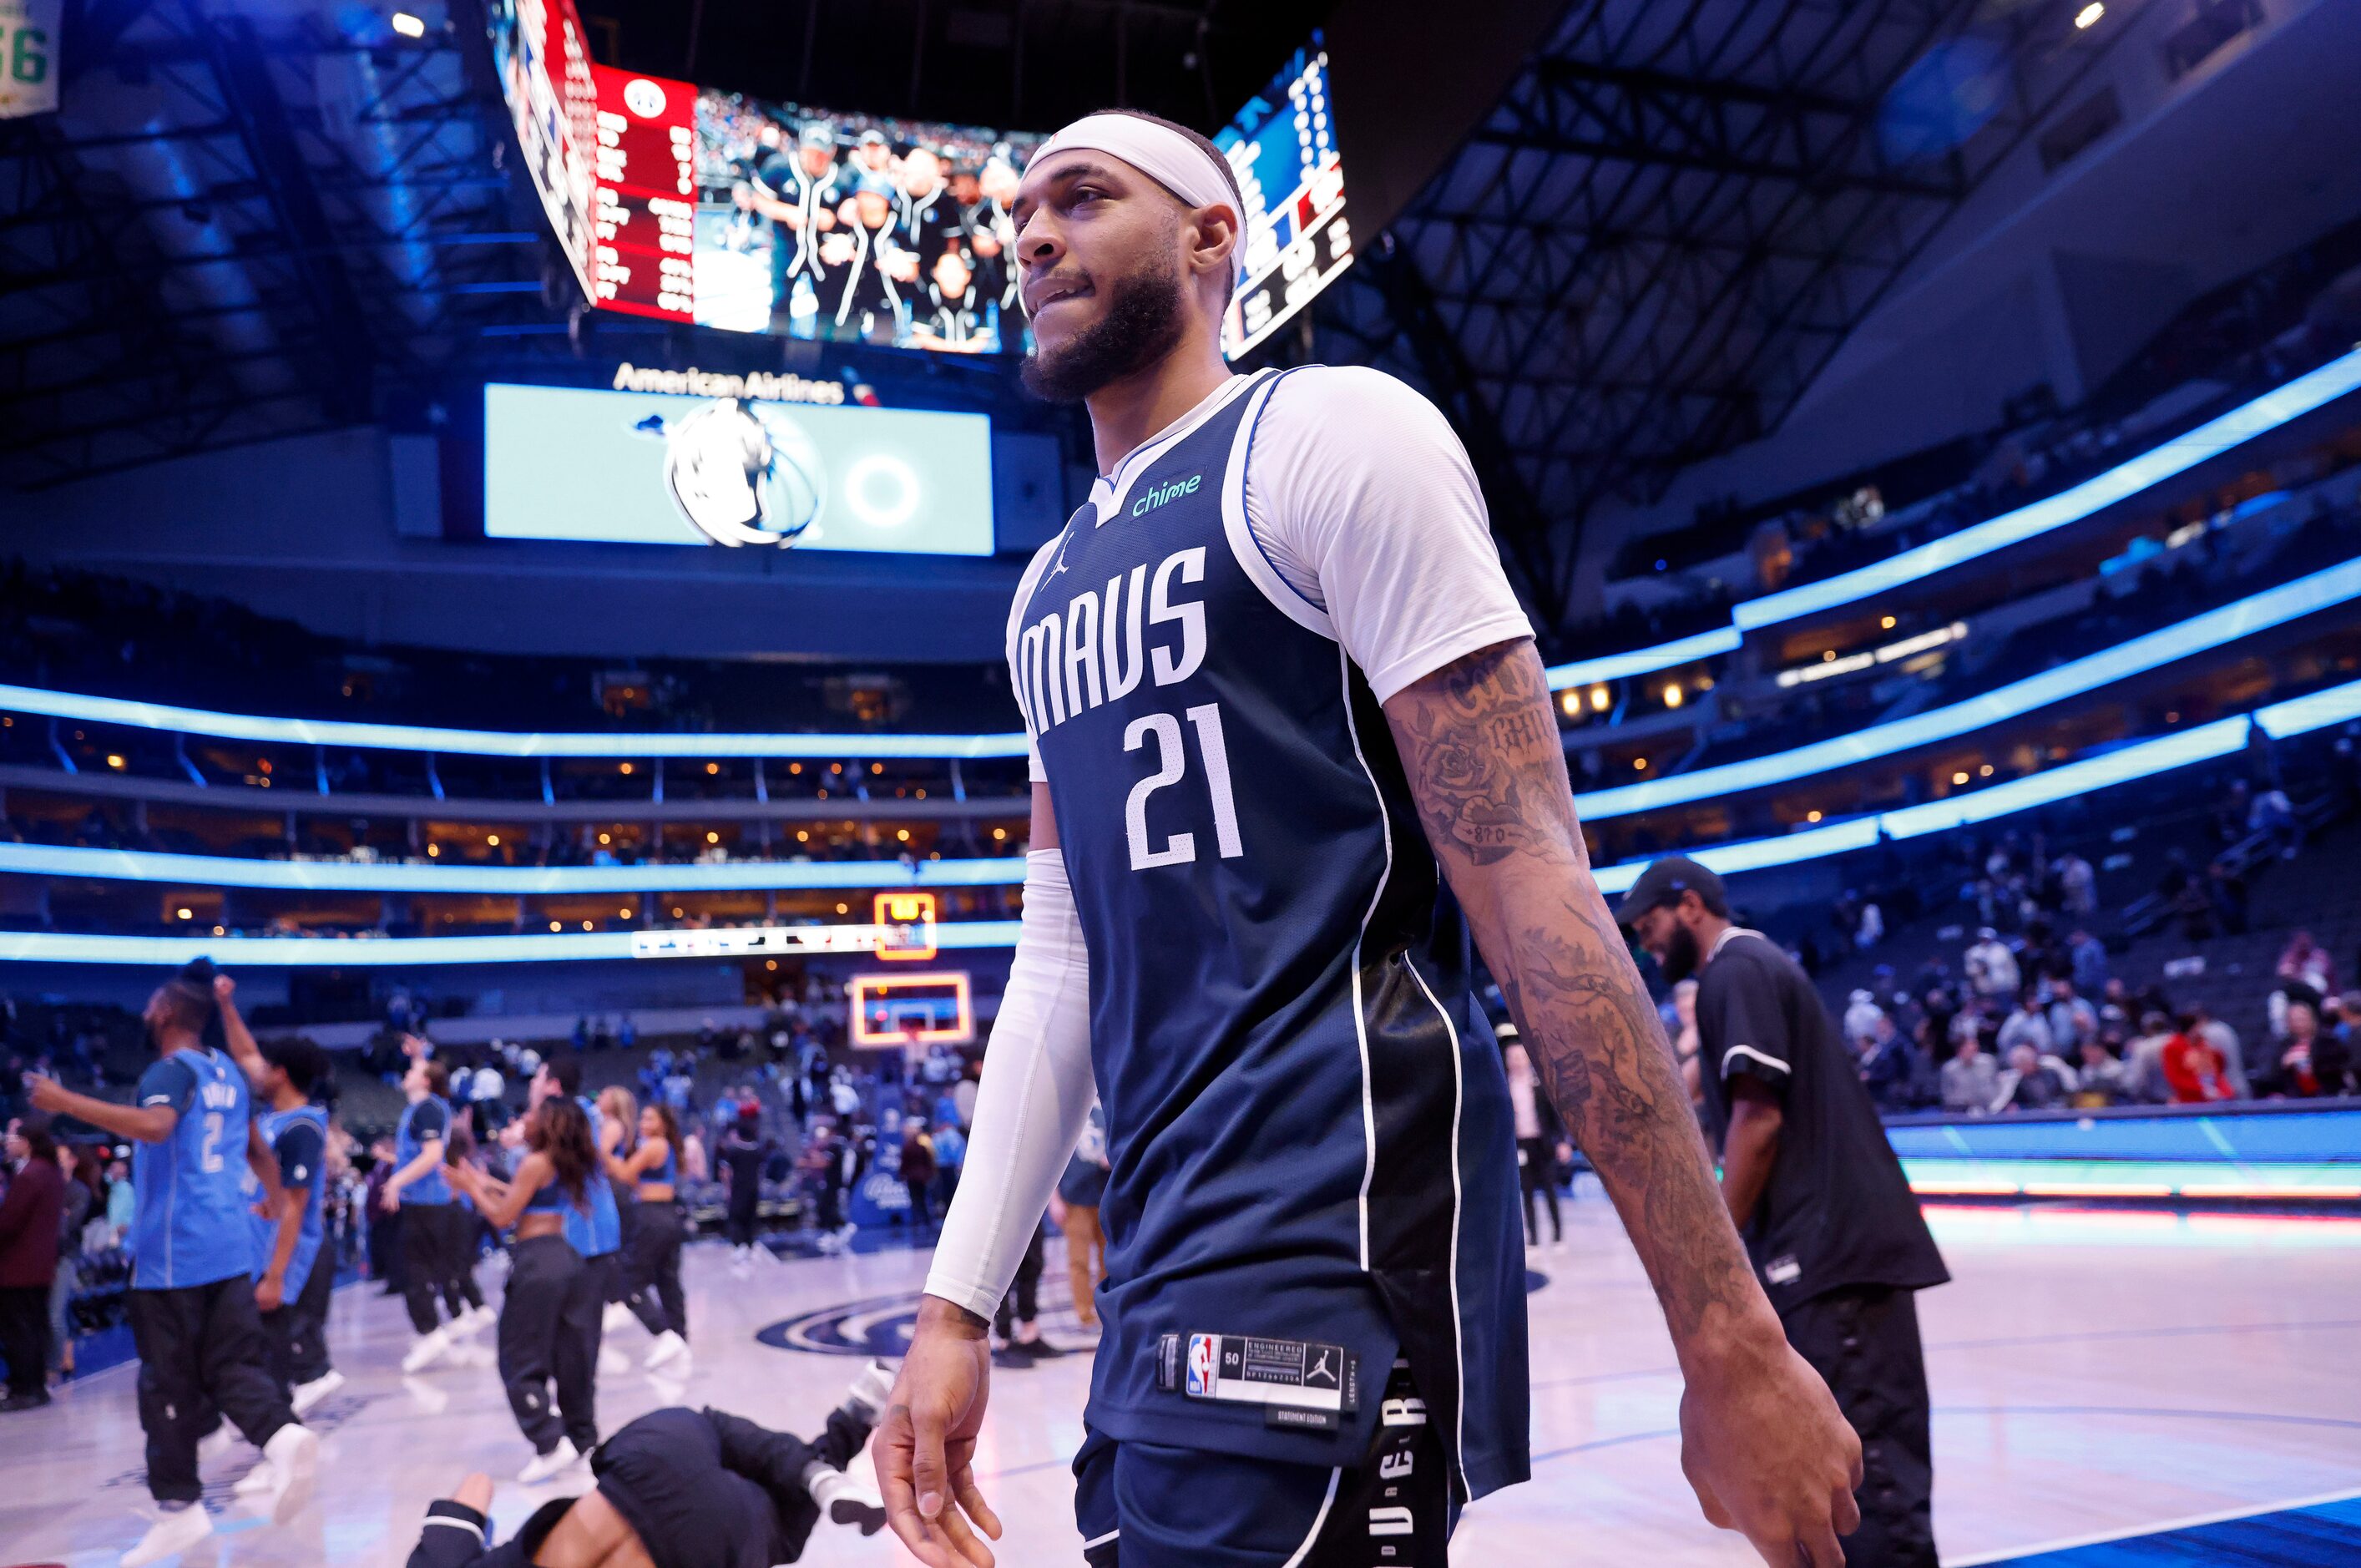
644 224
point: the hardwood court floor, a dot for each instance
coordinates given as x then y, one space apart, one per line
2093 1373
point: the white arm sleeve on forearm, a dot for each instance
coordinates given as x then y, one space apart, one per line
1030 1106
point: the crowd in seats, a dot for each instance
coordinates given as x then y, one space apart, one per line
2230 345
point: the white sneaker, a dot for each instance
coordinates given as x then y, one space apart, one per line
613 1363
544 1465
469 1323
667 1346
217 1442
294 1452
255 1482
470 1355
848 1501
486 1317
173 1532
616 1317
310 1394
873 1389
426 1349
430 1400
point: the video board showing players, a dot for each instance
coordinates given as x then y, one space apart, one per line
855 228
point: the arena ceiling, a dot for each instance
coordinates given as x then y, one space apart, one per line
262 217
1672 219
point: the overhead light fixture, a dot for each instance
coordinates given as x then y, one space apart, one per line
2088 17
411 27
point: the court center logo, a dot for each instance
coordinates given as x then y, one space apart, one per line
881 1325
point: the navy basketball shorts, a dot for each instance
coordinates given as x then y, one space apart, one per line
1146 1505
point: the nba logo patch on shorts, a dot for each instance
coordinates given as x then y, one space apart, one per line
1200 1365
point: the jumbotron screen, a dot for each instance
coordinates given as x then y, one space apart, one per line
690 205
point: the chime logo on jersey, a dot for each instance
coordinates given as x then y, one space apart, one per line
1152 498
1200 1365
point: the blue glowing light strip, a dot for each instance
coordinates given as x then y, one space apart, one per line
2208 441
2214 629
367 952
2219 738
353 876
491 743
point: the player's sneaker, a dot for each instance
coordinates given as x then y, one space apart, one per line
310 1394
174 1531
470 1322
669 1347
544 1465
847 1501
426 1349
294 1452
617 1315
216 1443
613 1363
871 1388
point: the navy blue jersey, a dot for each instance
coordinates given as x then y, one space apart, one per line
299 1140
1307 1129
423 1120
191 1226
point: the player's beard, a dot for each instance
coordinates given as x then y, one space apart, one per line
1147 314
1680 960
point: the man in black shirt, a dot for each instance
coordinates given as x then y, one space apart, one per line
1815 1188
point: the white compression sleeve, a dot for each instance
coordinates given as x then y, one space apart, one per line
1030 1106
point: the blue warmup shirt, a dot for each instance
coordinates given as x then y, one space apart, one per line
423 1122
299 1140
599 1231
191 1225
1308 1123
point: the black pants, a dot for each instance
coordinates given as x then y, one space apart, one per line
298 1330
739 1224
1024 1296
438 1261
627 1220
1864 1342
1537 1172
201 1356
831 1206
24 1336
549 1333
651 1267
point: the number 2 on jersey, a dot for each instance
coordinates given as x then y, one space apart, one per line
1171 762
209 1159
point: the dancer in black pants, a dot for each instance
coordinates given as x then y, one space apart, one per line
618 1130
684 1489
435 1230
1539 1134
1020 1334
651 1241
549 1317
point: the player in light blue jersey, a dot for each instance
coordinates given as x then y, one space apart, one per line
299 1267
1295 762
203 1352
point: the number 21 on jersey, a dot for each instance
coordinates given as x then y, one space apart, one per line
1163 731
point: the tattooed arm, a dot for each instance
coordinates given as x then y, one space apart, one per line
1763 1441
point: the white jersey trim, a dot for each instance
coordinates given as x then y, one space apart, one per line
1318 1520
1244 547
1767 1060
1109 491
1360 1011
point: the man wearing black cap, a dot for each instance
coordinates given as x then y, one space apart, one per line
1813 1184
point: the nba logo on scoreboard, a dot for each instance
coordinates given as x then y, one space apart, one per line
1201 1366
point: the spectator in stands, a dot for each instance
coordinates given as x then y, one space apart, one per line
1872 929
2225 1039
2273 817
1860 1019
2295 1076
1971 1078
2100 1080
2144 1061
2072 1019
1991 967
2195 1072
1888 1067
2031 1082
2227 889
2307 963
2078 886
2088 955
2029 1026
29 1226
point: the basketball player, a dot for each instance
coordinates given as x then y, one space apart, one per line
553 1297
1815 1188
681 1488
436 1235
297 1274
1292 743
192 1302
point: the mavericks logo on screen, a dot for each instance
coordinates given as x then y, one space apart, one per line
740 478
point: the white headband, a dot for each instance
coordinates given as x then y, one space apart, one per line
1164 155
